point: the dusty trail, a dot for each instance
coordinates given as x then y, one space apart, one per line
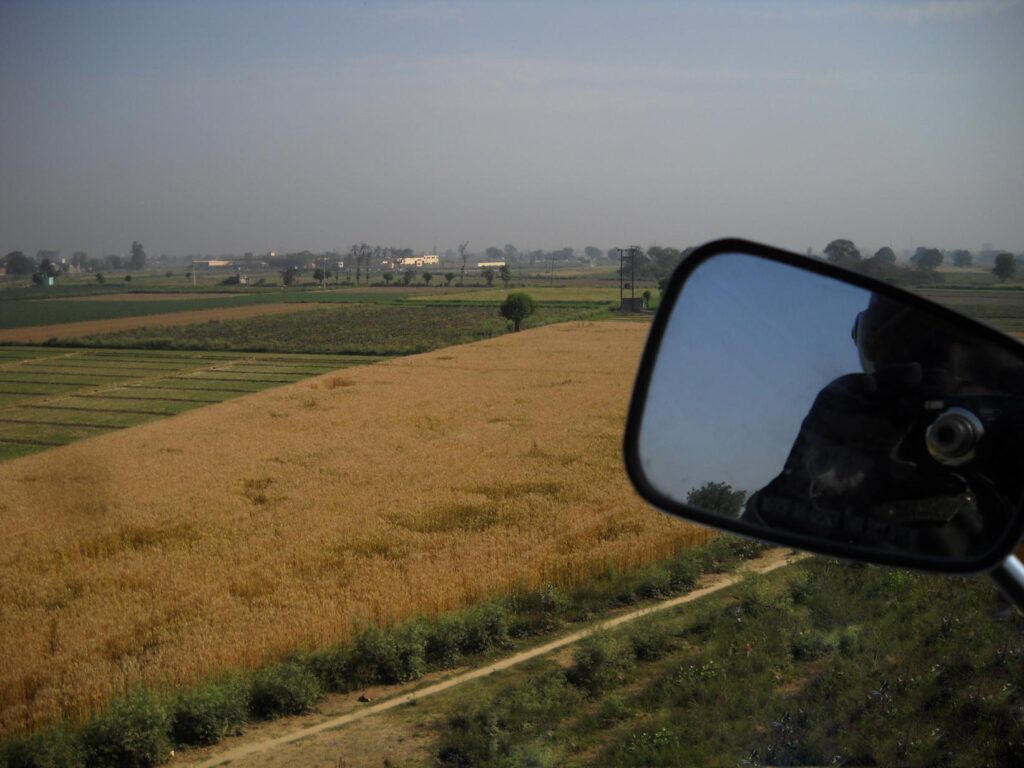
770 561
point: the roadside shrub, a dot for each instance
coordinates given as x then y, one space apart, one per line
470 741
395 656
333 667
649 639
445 638
684 570
486 626
539 611
599 663
57 748
208 713
655 581
287 689
132 733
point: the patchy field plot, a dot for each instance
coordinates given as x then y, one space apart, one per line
37 334
361 329
53 397
237 533
1000 308
544 294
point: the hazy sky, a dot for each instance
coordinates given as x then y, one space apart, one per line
231 126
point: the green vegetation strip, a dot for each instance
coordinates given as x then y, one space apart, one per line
823 664
143 726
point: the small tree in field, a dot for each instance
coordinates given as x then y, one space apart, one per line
407 276
427 277
388 277
100 278
288 275
488 275
448 277
505 274
1005 267
517 307
646 296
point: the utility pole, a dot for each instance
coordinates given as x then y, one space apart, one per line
551 275
193 274
621 252
633 250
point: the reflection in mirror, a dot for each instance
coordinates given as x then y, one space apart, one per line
798 403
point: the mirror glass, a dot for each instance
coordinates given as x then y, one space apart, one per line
799 404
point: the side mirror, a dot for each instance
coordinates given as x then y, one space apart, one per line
789 400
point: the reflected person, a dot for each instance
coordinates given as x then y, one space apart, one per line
861 471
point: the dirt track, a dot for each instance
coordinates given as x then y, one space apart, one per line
37 334
252 748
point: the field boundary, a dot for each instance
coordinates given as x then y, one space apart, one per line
770 561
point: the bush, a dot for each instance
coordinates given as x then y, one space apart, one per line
599 663
811 644
540 611
333 667
650 640
230 280
208 713
287 689
486 626
57 748
132 733
395 656
445 640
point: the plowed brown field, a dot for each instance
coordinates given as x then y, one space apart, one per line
37 334
282 520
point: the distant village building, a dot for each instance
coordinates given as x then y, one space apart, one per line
425 260
490 264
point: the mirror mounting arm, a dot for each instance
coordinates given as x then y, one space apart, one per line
1009 576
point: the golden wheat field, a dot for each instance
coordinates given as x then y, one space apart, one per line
234 534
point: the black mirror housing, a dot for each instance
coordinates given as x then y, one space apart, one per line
846 416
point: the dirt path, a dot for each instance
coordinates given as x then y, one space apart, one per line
37 334
771 560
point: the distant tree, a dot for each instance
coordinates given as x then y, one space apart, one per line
113 261
495 254
926 258
1005 266
168 274
646 296
717 497
127 278
48 269
517 307
320 275
592 252
138 257
100 278
289 275
488 275
79 259
462 255
407 276
842 252
448 277
505 274
885 255
511 253
427 277
37 278
18 263
962 258
388 277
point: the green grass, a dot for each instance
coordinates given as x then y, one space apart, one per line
1000 307
821 664
54 397
346 329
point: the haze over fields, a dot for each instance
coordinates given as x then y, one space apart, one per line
253 126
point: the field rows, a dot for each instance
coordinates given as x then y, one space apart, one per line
53 397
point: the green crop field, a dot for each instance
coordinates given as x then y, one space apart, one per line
51 397
360 329
1002 308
